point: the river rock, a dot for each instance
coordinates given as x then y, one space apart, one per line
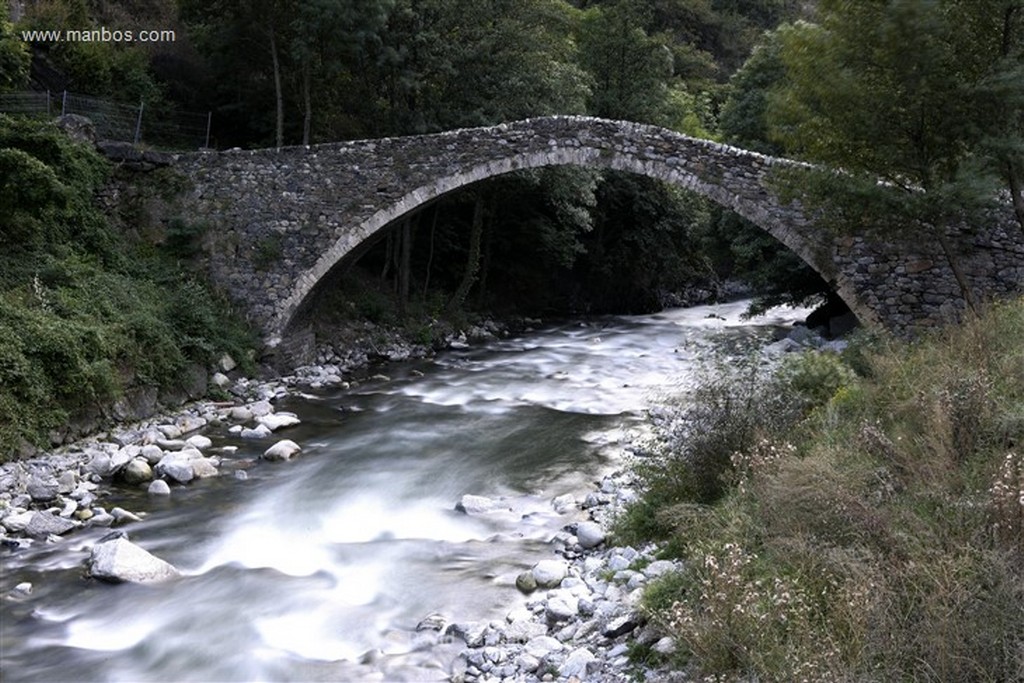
227 363
219 379
276 421
474 505
115 558
152 453
578 664
42 489
240 414
67 481
122 516
176 467
101 517
199 442
159 487
261 408
190 423
525 582
524 630
589 534
204 468
137 471
170 431
564 503
659 568
43 524
561 607
260 432
549 573
542 646
282 450
621 625
17 521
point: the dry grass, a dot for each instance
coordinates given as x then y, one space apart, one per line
879 537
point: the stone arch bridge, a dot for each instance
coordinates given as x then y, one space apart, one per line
281 219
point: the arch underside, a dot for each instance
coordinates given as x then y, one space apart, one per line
765 215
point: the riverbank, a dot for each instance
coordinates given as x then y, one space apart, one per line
868 527
603 579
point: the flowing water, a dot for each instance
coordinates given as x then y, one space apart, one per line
307 568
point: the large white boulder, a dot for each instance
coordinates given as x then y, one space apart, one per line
282 450
276 421
115 558
589 534
549 573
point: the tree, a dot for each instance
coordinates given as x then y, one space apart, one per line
631 70
883 91
14 58
230 30
331 36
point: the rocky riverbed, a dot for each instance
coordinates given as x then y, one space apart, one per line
581 616
583 606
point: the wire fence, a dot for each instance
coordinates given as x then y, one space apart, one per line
115 120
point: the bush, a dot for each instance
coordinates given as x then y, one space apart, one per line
85 309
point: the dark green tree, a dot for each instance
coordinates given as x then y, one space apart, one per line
884 92
14 58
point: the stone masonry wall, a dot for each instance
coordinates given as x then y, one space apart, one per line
281 219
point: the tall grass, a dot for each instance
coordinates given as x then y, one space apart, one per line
869 529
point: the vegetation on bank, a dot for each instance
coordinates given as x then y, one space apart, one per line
87 309
848 518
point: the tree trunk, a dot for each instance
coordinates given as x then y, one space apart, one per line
1015 178
488 240
389 240
1014 172
307 121
405 251
430 253
958 273
472 259
277 88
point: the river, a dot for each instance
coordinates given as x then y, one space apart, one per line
306 568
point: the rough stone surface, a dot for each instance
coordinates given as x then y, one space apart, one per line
282 450
318 204
42 524
176 467
589 534
277 421
137 471
159 487
549 573
473 505
118 559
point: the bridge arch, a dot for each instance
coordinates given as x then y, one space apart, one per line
674 169
319 205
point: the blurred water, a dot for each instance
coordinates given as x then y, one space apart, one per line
308 567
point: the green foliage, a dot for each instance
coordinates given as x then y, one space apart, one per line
266 252
15 58
83 310
882 530
887 91
813 378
